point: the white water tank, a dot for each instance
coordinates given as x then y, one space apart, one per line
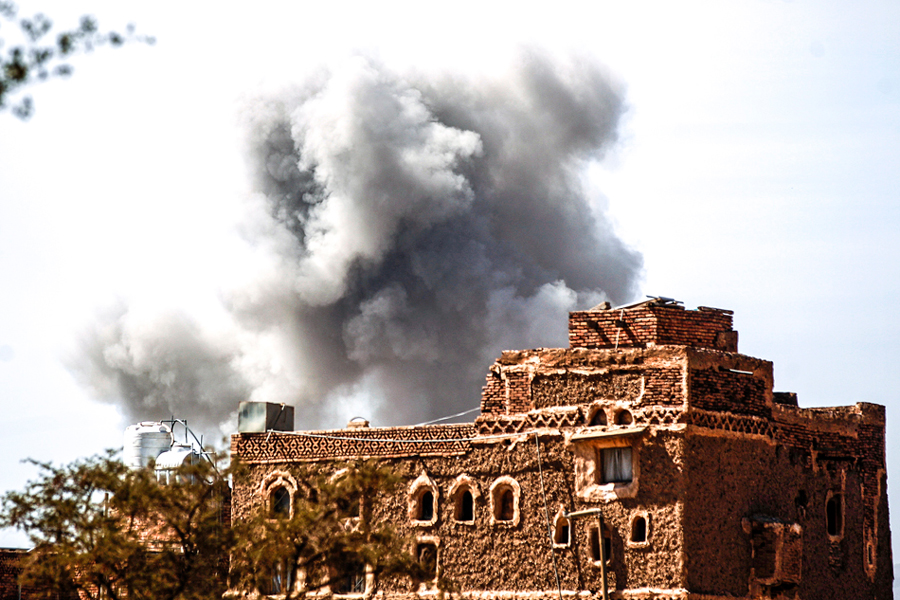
144 442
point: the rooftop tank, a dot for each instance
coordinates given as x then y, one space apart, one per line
145 442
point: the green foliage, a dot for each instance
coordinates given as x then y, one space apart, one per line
35 58
102 530
328 538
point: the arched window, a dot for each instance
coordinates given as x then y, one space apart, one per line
562 533
423 501
465 506
278 489
623 417
463 492
505 502
598 418
503 510
639 530
280 502
426 506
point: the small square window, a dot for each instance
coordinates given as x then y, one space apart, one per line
427 554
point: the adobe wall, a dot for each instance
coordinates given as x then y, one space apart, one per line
786 477
557 381
560 387
485 556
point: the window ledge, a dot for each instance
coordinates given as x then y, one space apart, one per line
592 434
464 523
419 523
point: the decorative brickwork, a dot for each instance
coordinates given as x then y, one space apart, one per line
280 447
510 424
731 422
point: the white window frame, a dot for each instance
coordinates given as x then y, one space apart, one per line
587 447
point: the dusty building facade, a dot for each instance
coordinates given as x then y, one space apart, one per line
710 485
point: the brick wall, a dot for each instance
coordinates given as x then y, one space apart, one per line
650 324
729 391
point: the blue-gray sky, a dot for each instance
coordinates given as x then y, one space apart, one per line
756 169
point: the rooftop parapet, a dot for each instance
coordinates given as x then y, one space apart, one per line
654 322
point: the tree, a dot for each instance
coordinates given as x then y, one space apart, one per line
321 535
35 59
103 530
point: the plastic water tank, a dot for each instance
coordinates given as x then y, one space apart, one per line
144 442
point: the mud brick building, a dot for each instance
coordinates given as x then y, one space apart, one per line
710 485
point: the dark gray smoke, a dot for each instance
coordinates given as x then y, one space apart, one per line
415 226
159 367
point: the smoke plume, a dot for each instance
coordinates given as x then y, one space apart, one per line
412 227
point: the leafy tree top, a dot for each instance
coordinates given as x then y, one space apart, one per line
103 530
39 54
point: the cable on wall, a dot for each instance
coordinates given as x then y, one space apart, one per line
537 443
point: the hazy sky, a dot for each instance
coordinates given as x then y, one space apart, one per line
757 168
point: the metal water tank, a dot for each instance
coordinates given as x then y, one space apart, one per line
144 442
